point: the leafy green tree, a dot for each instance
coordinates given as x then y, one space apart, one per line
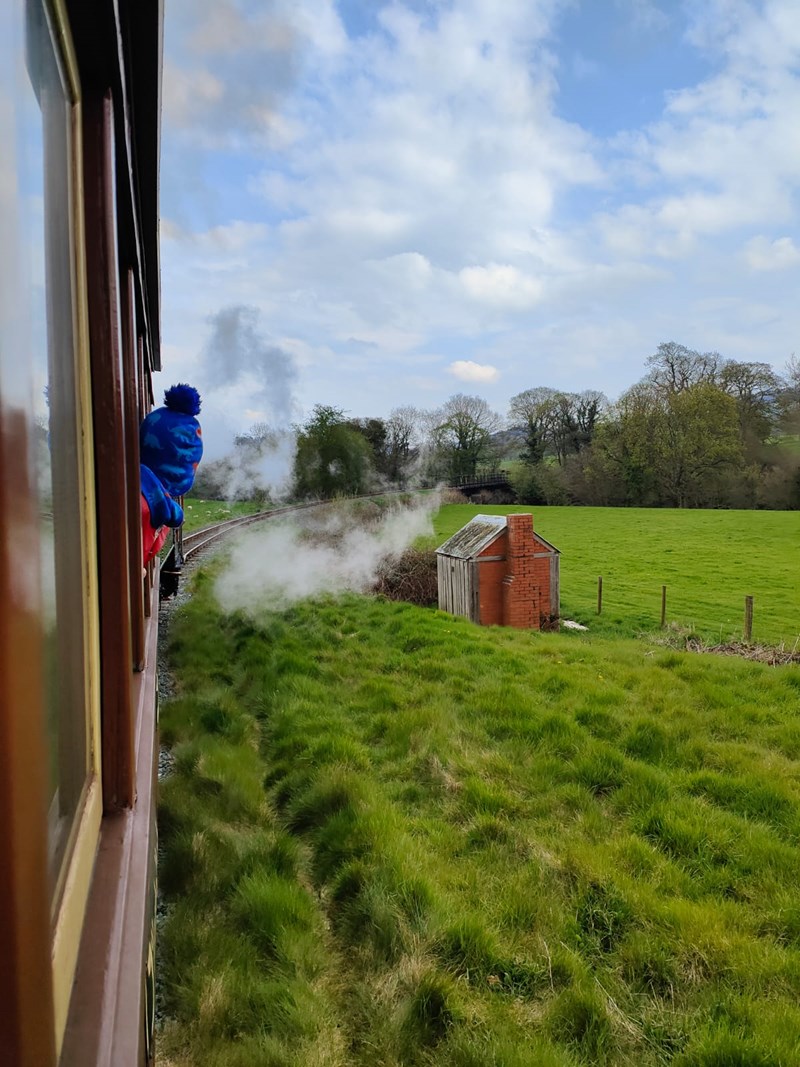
332 458
758 392
374 432
672 446
695 438
623 448
392 442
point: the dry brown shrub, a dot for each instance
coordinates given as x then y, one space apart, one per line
678 637
483 496
409 576
454 496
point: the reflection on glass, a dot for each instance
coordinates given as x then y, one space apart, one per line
46 195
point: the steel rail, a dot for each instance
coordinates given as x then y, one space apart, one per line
199 539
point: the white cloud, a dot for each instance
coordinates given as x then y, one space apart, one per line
234 236
467 371
412 198
646 16
371 222
725 154
763 254
222 29
188 91
501 285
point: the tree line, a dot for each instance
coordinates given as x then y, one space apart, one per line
698 430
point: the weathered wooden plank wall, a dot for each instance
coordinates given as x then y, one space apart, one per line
457 586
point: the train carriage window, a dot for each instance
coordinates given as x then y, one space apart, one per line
48 219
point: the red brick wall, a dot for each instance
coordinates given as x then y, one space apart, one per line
490 591
521 596
542 572
514 591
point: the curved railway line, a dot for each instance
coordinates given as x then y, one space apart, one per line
193 543
190 545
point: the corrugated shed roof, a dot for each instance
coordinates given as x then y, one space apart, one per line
474 537
479 532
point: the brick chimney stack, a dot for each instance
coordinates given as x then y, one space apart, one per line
520 590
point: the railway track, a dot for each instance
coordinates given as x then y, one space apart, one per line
192 544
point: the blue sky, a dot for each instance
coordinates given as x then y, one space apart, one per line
418 198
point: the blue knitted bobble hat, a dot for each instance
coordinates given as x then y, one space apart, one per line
171 441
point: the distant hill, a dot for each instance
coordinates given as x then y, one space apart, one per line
508 443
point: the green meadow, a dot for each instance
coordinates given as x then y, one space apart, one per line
393 839
199 513
708 560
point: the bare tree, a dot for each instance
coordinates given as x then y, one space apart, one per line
791 396
403 428
675 367
259 437
555 422
589 409
461 433
536 411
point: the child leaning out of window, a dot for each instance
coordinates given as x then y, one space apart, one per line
171 446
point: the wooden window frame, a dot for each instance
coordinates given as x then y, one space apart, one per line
130 389
69 990
109 441
68 920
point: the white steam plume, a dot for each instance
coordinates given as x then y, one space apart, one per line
266 466
278 564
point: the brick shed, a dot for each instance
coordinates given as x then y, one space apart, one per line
497 571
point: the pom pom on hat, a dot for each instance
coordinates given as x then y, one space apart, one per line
171 441
183 398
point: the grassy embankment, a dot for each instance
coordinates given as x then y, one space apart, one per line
709 561
199 513
393 838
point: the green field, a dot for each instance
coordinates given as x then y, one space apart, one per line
709 561
392 838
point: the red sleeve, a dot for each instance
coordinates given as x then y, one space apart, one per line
152 540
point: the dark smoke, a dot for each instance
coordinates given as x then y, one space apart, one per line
237 351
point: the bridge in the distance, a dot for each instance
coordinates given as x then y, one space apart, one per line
493 479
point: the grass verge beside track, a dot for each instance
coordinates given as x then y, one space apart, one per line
393 838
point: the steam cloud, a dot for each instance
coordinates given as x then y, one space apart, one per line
238 354
279 564
240 362
267 466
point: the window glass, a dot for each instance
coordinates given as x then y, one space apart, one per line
46 196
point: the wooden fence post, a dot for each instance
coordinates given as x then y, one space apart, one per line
748 618
663 606
599 595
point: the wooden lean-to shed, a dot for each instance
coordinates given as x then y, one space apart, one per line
497 572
